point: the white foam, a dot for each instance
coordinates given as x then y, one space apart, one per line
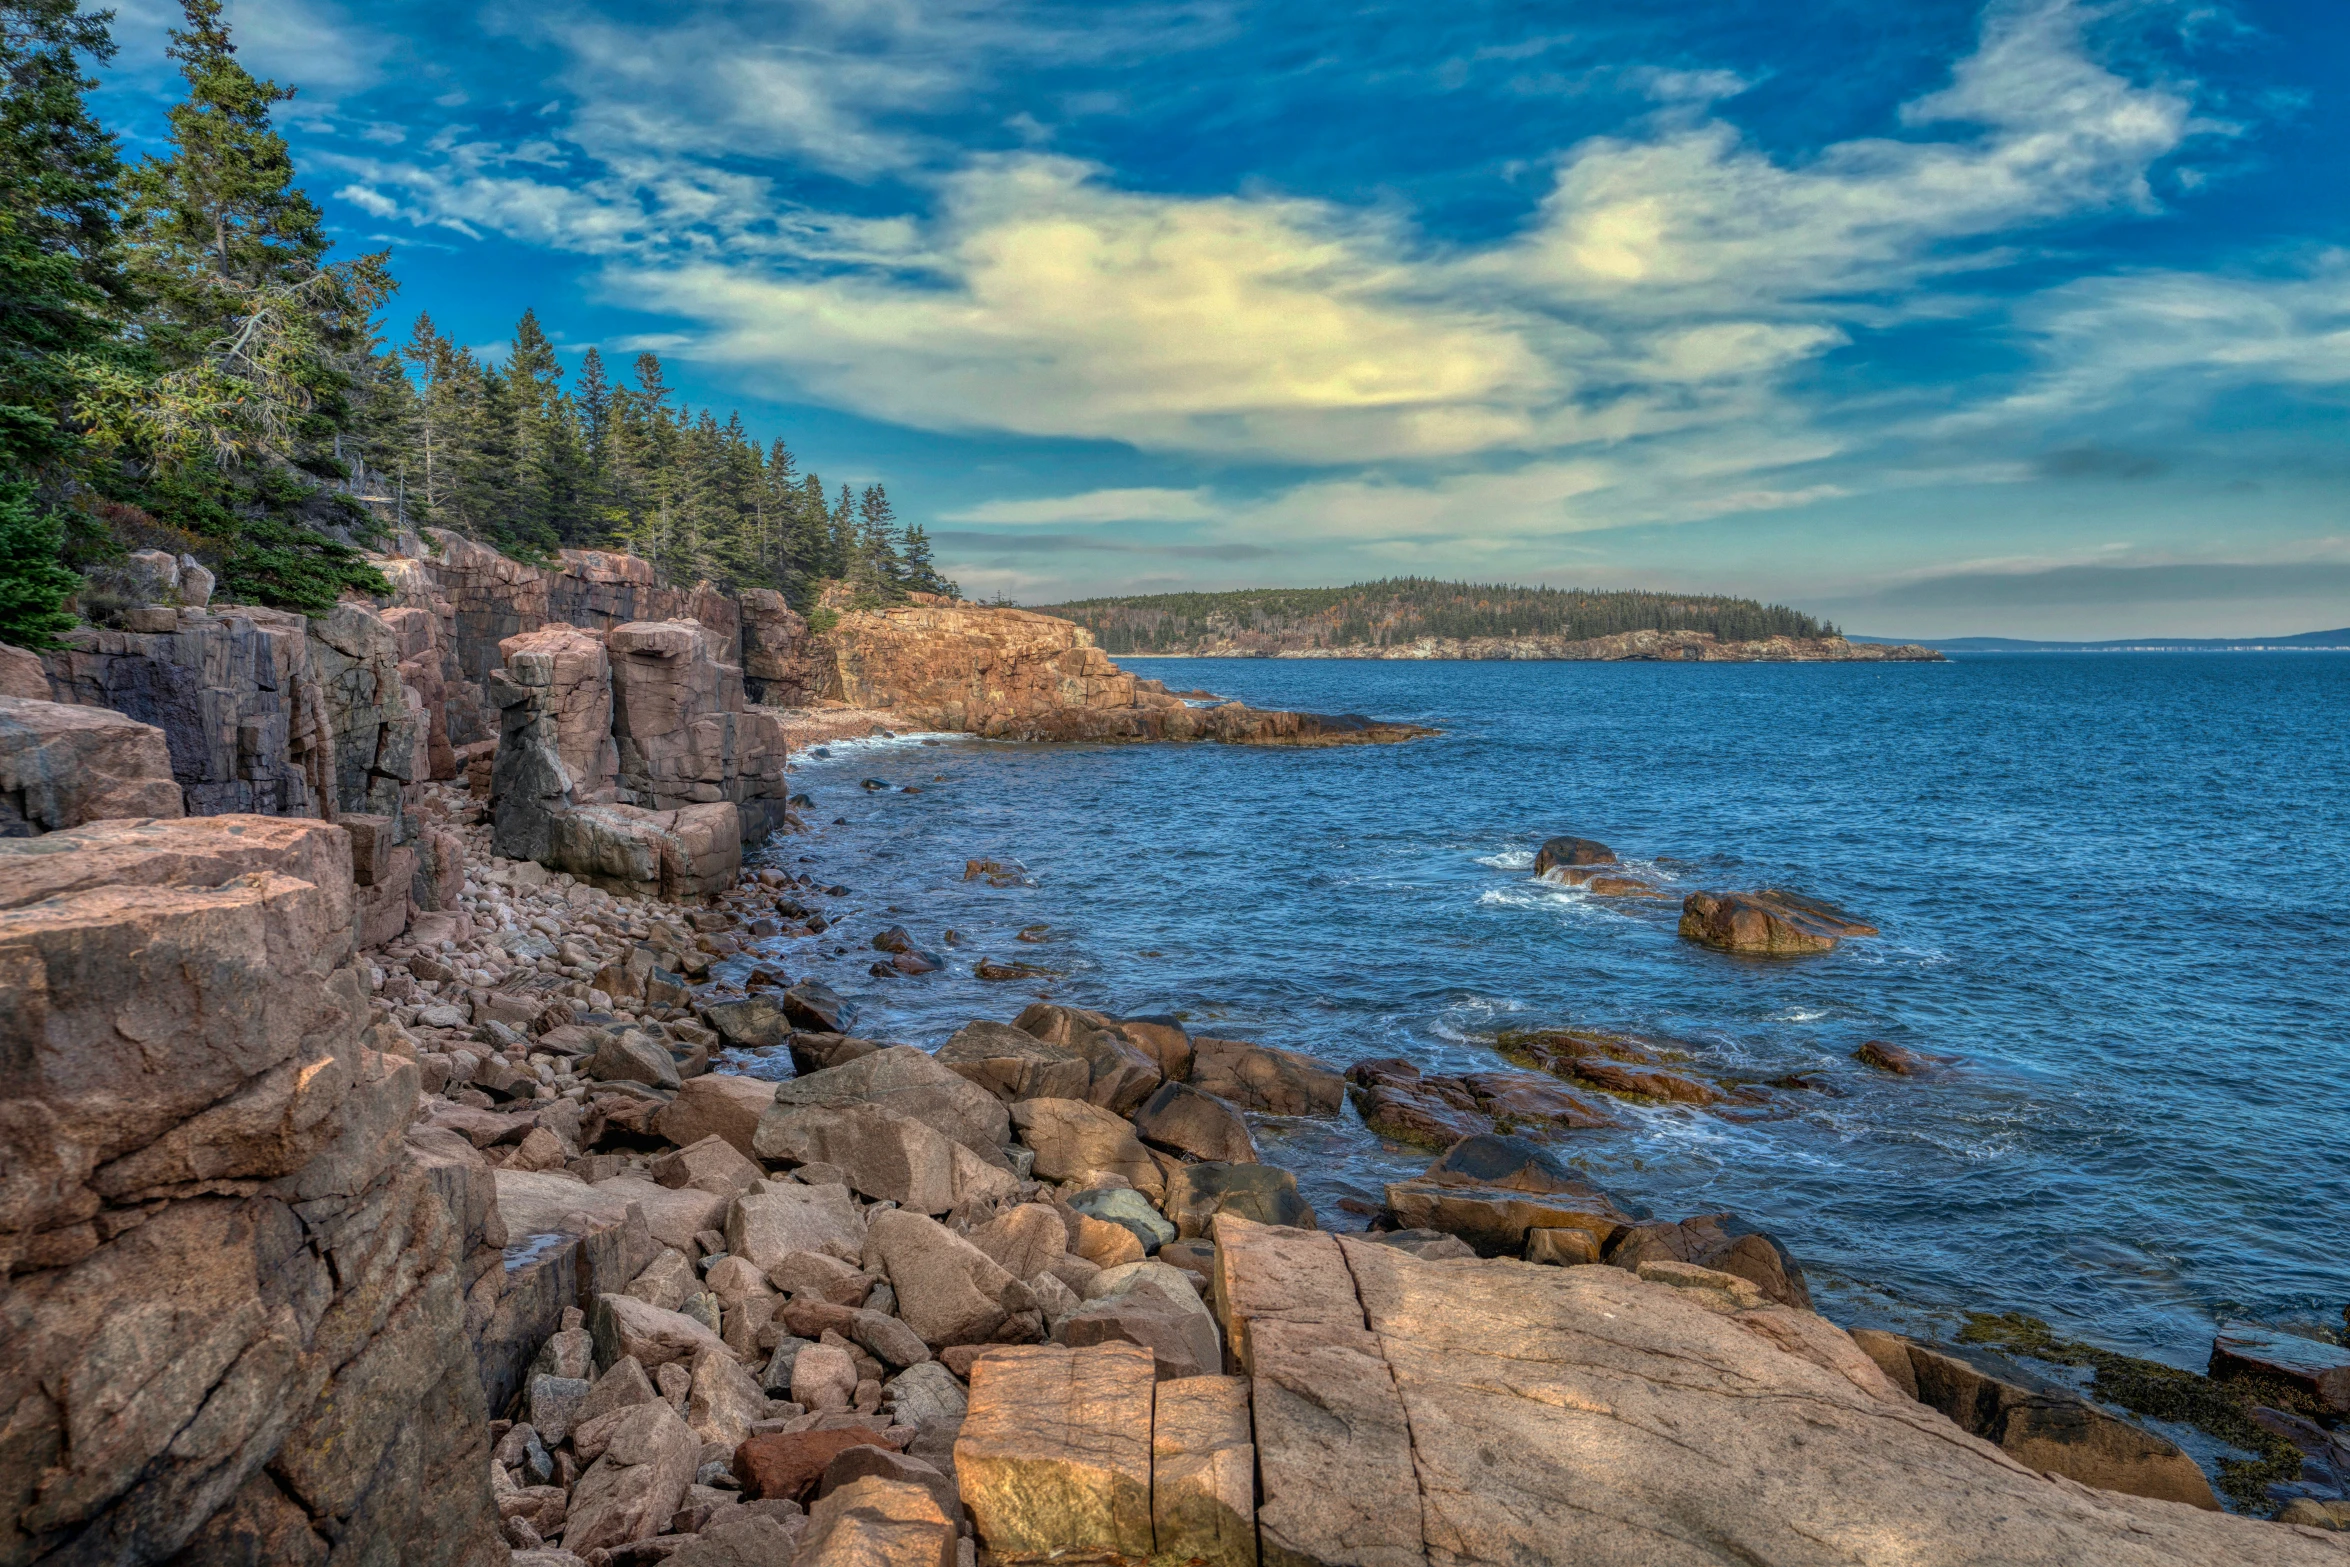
837 749
1508 859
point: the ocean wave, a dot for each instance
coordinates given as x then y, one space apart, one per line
837 750
1508 859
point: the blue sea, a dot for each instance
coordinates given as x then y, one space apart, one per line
2112 887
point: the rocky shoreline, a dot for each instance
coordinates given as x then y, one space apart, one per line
371 1191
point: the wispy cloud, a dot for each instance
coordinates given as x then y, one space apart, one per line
1134 505
962 546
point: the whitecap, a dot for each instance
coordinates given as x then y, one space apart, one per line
1508 859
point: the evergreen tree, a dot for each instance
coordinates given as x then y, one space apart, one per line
220 219
840 543
878 569
58 166
61 287
921 572
259 344
594 403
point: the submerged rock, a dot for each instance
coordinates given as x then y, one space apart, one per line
1768 923
1560 852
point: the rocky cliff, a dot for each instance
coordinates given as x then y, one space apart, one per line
1013 674
232 1326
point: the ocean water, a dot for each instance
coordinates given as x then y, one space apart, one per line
2111 886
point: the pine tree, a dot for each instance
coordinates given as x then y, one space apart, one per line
921 573
259 342
877 570
61 290
220 218
58 166
593 401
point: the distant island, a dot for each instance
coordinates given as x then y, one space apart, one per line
2303 642
1420 618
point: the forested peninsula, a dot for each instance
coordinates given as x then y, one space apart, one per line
1417 617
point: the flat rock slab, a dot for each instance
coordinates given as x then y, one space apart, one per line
1586 1405
1203 1472
1054 1457
1334 1450
1267 1273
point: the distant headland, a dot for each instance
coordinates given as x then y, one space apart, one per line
1419 618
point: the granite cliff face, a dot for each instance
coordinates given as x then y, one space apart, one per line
232 1326
1012 674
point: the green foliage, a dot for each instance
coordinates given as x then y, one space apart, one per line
1380 614
2160 1392
57 164
33 583
182 361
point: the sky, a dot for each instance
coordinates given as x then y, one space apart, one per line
2027 318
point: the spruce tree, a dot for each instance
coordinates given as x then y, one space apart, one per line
840 544
220 218
58 166
259 341
61 288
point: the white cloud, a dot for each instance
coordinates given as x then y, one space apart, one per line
2178 335
1637 353
1130 505
1695 217
1049 304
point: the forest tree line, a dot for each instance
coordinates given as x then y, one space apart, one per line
1404 609
183 366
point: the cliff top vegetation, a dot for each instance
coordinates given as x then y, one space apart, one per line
1403 609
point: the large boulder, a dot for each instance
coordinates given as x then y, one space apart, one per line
571 677
768 1227
1203 1472
234 1295
625 1327
630 1491
1527 1392
878 1522
886 1155
1012 1063
1769 923
1196 1193
241 708
2052 1428
61 766
1075 1140
1260 1077
1054 1456
1720 1241
1025 1241
716 1104
685 737
914 1084
22 675
1558 853
681 855
1180 1118
948 1290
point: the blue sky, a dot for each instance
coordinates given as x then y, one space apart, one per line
2027 318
